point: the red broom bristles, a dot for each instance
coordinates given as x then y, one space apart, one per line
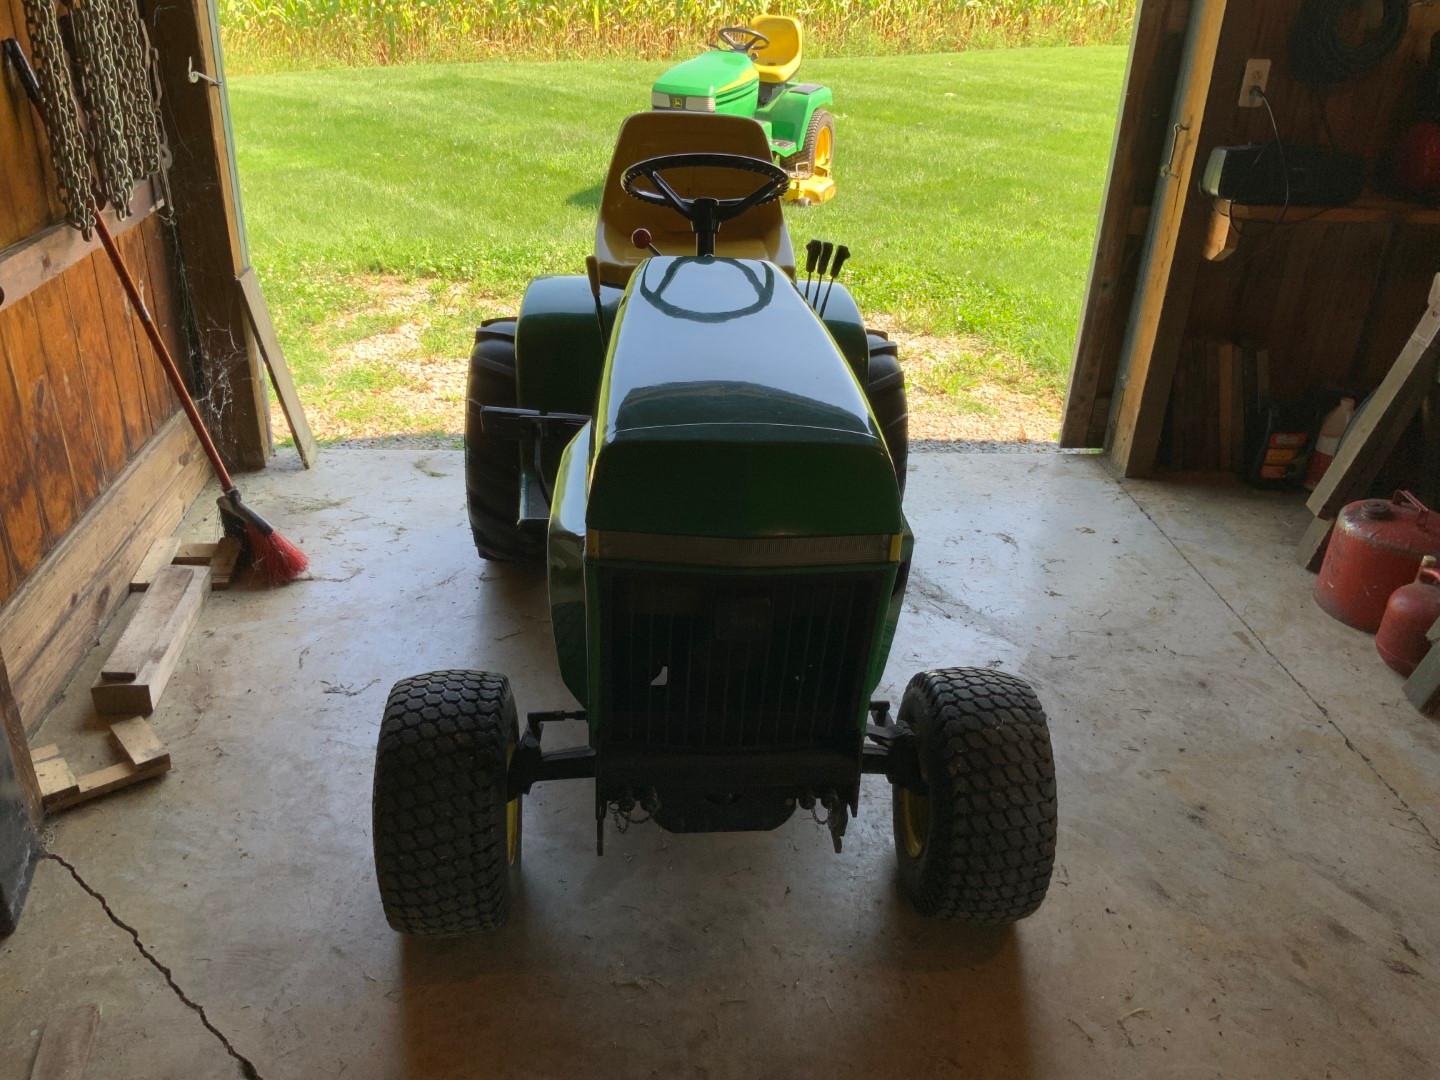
274 558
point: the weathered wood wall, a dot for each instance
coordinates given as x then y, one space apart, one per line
1331 302
81 391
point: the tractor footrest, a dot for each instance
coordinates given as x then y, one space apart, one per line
502 422
534 501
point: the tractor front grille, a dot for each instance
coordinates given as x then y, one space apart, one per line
695 661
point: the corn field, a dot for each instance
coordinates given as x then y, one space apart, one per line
262 35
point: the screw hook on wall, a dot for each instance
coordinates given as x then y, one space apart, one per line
196 76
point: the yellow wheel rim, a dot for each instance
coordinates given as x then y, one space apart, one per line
824 151
512 816
914 822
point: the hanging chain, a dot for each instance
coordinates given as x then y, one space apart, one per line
68 152
114 62
115 88
142 106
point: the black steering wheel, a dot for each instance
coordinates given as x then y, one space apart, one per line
705 214
741 38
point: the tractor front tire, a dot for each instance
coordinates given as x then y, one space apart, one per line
492 466
447 840
979 845
885 389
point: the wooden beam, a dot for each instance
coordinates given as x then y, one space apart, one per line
264 329
161 554
138 742
221 556
51 623
1310 552
1222 238
57 782
1423 687
196 553
27 265
67 790
1372 437
145 757
208 220
1149 89
140 665
1170 261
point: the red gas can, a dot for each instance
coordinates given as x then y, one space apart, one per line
1402 639
1375 547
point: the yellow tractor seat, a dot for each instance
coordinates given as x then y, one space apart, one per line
759 233
778 61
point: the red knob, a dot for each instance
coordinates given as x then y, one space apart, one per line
641 239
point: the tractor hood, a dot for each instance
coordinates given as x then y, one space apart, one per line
728 411
718 77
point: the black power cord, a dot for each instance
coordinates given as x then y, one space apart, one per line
1280 146
1321 51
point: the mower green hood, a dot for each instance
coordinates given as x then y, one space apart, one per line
727 80
728 411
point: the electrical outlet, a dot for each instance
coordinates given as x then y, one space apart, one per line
1257 77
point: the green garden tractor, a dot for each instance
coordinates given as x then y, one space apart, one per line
706 449
750 71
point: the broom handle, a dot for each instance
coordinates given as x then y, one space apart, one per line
166 360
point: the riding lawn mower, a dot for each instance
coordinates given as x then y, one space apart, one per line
706 449
750 71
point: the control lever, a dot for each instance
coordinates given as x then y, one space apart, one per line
842 253
812 256
592 271
642 239
825 251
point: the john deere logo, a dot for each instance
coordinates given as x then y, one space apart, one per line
677 101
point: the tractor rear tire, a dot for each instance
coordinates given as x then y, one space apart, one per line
980 846
447 841
492 466
885 389
819 143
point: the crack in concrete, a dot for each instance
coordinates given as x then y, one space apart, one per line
1344 736
247 1067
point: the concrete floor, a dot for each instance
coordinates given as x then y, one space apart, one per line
1248 867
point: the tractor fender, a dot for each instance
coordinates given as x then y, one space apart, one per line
790 113
842 318
566 558
559 353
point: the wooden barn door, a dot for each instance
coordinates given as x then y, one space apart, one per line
1120 350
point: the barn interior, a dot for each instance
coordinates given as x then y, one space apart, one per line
1246 859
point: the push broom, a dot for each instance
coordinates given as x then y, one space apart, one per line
274 558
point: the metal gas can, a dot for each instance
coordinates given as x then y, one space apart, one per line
1375 547
1403 638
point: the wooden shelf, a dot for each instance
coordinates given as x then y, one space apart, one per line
1370 209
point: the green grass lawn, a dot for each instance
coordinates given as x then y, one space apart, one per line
969 188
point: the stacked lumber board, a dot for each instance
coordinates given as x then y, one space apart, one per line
1214 397
144 658
175 579
145 756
